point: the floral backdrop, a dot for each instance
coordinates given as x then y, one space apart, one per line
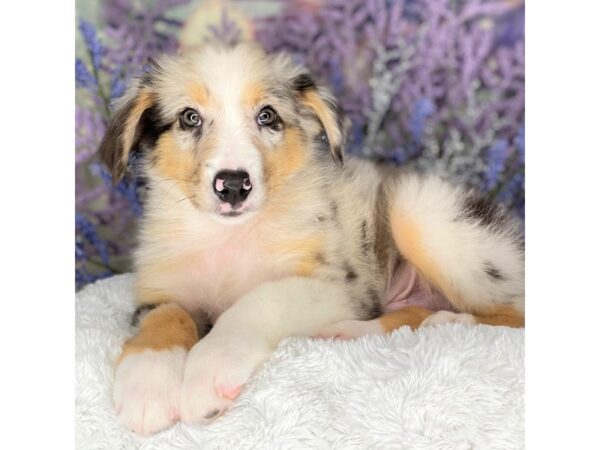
437 85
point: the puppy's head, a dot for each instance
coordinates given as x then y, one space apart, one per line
228 129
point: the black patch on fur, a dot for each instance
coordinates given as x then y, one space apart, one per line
148 129
493 272
303 83
151 127
338 155
365 242
483 210
371 308
141 311
147 78
350 273
373 311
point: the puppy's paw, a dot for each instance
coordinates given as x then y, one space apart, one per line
442 317
217 369
147 389
350 329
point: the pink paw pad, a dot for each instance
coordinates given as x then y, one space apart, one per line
230 393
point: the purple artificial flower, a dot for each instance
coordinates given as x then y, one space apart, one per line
497 156
117 85
83 77
520 145
95 49
88 231
423 108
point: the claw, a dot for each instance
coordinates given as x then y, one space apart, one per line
213 414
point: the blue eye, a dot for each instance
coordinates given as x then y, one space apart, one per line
190 118
267 117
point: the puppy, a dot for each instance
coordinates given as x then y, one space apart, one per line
255 229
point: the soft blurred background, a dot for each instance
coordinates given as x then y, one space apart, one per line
437 85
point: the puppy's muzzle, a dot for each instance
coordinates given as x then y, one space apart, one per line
232 186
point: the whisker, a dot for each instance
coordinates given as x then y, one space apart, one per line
185 198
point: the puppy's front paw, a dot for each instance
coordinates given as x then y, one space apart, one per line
442 317
216 370
147 389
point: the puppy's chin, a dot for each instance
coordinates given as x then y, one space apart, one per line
233 217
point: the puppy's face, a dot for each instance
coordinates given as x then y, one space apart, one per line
228 130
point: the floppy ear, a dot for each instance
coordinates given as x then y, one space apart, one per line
125 130
325 107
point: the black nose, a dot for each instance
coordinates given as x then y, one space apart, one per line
232 186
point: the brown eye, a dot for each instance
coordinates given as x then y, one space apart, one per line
190 118
267 117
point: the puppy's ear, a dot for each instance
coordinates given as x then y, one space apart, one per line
125 129
325 107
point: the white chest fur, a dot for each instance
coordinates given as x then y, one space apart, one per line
209 273
217 277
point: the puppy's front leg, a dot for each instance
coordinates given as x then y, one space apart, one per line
246 334
149 371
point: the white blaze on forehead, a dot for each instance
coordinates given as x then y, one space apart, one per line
227 75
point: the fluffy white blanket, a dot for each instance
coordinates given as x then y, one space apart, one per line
446 387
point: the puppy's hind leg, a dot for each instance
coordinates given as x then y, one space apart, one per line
466 247
504 316
416 317
412 316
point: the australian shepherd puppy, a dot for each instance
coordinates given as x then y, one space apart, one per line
256 228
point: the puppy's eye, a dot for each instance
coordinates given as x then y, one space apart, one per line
190 118
267 117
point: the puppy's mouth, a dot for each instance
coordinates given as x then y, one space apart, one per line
231 214
228 212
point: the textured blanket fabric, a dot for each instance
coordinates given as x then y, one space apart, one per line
446 387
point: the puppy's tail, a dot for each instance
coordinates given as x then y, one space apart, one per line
465 246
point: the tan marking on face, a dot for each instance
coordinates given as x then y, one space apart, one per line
183 165
281 162
171 161
143 102
412 316
252 95
198 93
163 328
